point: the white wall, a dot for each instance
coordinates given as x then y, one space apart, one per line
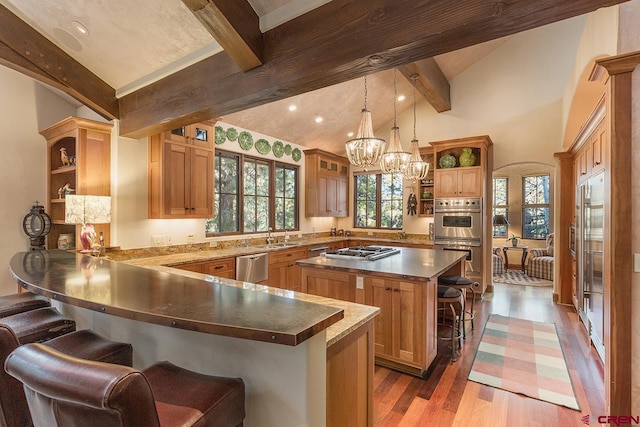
25 108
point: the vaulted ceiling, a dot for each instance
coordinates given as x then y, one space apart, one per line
158 64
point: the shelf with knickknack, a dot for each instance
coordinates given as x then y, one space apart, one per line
425 190
78 162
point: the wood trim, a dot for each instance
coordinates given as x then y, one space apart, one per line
565 206
29 52
618 240
336 42
430 82
235 25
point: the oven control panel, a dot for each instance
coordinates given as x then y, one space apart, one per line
473 203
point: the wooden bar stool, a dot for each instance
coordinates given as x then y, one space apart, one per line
19 303
62 390
462 283
447 297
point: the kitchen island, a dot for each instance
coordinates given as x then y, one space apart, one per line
404 287
277 343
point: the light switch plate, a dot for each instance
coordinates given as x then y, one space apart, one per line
636 263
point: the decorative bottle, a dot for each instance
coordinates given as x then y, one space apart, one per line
467 158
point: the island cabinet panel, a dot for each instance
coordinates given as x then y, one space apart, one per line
284 273
400 330
339 285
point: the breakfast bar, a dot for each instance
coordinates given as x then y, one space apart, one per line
278 344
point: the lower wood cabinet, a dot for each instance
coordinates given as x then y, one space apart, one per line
283 271
224 267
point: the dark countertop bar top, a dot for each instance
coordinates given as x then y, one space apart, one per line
172 300
410 263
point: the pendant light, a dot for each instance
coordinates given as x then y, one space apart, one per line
395 160
418 168
365 149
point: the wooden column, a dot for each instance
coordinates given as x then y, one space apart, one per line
565 209
618 220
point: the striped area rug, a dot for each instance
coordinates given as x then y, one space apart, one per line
515 277
524 357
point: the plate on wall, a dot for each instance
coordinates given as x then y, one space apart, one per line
278 149
232 134
262 146
220 135
296 154
245 140
287 149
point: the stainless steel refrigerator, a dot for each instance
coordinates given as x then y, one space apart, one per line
590 258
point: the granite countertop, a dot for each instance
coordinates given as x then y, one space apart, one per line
213 253
161 296
409 263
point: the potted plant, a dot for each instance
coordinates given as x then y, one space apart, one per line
514 239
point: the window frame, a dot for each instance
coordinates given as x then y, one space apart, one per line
504 207
378 200
526 206
273 165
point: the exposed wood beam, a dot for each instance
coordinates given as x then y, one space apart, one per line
235 25
339 41
24 49
430 82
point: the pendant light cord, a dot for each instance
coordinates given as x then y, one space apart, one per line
395 96
365 92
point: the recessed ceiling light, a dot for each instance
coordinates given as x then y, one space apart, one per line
80 28
292 107
350 134
401 98
319 119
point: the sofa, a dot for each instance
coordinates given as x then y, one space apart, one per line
540 263
498 261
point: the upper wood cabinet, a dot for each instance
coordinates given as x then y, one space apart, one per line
326 184
592 156
86 168
181 173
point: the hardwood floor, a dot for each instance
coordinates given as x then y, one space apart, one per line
446 398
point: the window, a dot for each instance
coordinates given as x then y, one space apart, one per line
500 204
535 210
252 195
378 201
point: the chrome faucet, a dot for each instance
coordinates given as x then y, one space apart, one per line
269 238
286 237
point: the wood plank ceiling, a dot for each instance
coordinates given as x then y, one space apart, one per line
336 42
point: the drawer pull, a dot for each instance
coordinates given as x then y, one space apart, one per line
218 267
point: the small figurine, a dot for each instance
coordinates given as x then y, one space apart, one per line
67 189
412 204
64 158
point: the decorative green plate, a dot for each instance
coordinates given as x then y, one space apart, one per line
221 136
263 146
296 154
278 149
245 140
447 161
232 134
287 149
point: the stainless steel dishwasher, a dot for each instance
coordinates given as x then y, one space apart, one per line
317 250
252 268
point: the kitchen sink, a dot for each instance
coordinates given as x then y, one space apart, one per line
277 245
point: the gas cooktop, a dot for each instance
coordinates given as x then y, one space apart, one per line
364 253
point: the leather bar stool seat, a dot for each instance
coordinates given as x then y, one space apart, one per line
39 325
14 411
66 391
466 284
19 303
447 297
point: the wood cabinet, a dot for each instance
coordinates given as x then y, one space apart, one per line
181 173
465 182
399 329
86 168
283 271
224 267
326 184
591 157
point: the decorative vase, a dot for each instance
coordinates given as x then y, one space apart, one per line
447 161
514 242
467 158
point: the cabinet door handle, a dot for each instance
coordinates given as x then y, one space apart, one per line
396 290
387 288
217 267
